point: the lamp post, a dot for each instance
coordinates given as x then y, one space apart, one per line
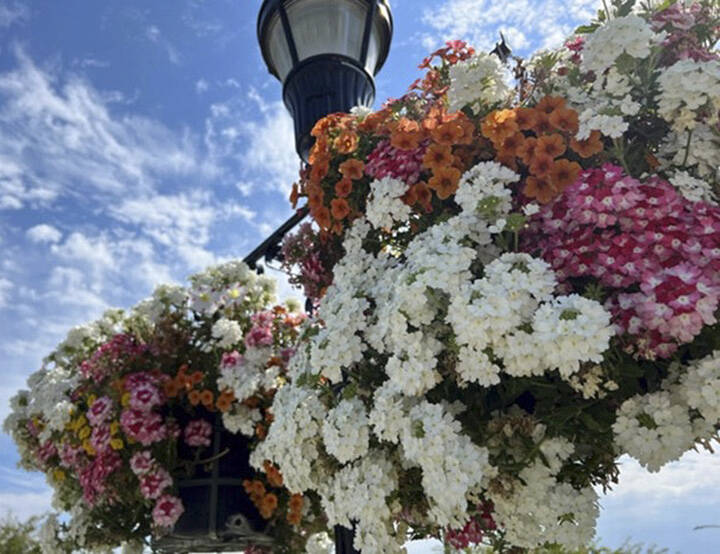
326 53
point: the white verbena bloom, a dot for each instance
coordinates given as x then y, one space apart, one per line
385 206
477 82
346 431
227 332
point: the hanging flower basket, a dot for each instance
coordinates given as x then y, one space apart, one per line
144 421
528 287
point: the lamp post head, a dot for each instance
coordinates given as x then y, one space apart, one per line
326 53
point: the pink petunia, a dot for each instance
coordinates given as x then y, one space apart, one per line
197 433
153 484
142 462
100 411
144 427
167 510
144 397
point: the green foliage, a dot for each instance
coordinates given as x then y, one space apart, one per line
18 537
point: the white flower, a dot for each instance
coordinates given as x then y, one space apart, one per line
477 82
346 431
695 190
686 87
227 332
241 419
361 112
385 206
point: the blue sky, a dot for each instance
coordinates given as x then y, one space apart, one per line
141 141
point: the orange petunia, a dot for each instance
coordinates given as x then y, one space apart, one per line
322 216
319 150
541 165
171 388
449 133
352 169
194 397
315 195
549 104
540 189
343 187
564 119
339 208
588 147
437 156
410 197
321 127
296 502
207 398
526 151
423 195
403 140
468 128
550 145
319 170
294 195
374 121
511 145
564 173
346 142
445 181
525 118
508 160
499 124
196 377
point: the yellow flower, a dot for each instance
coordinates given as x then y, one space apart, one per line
234 293
125 400
117 444
80 422
88 447
91 399
114 427
84 432
59 475
131 440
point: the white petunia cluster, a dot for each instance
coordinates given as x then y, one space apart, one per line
358 493
484 190
630 35
293 440
699 148
689 92
695 190
248 374
540 509
477 83
241 419
700 387
346 430
385 206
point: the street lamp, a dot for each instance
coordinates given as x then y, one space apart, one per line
326 53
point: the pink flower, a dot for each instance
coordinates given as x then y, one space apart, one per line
167 510
142 462
46 451
71 456
93 477
144 397
100 411
153 484
388 161
100 437
144 427
259 336
231 359
197 433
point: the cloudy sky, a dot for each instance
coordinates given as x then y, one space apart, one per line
141 141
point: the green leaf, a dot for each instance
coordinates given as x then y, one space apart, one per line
586 29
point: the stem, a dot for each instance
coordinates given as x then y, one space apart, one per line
212 458
607 12
620 153
687 147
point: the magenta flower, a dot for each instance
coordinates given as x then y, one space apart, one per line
197 433
153 484
100 411
231 359
144 427
100 437
167 510
144 397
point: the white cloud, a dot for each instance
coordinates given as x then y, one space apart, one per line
43 233
154 35
5 287
60 139
13 12
24 505
201 85
527 24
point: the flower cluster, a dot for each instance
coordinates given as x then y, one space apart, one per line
124 402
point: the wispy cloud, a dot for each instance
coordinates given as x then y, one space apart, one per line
527 24
12 13
154 35
43 233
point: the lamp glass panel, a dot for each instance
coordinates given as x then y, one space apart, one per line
327 27
278 47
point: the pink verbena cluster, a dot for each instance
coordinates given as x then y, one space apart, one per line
94 474
261 333
474 530
388 161
198 432
680 22
113 356
154 481
656 253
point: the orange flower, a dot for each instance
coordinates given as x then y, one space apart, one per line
542 124
525 118
564 173
374 121
315 195
207 398
194 397
423 195
541 164
260 431
588 147
468 128
293 518
565 119
508 160
196 377
526 150
540 189
550 145
225 400
449 133
339 208
172 388
296 502
410 197
406 134
352 169
346 142
445 181
499 124
319 169
550 103
343 187
437 156
511 145
322 216
321 127
294 195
